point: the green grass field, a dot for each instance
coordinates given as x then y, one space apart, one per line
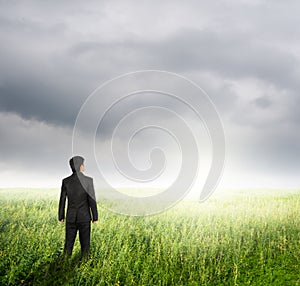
245 238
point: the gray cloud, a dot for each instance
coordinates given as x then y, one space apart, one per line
243 54
34 147
263 101
57 68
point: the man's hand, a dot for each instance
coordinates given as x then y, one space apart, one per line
62 220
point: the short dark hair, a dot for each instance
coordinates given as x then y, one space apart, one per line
75 163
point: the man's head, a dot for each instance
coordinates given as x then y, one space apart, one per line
76 164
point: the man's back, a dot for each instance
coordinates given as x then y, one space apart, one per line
79 190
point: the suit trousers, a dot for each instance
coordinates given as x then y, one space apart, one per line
84 229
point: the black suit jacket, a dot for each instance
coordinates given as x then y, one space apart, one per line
81 199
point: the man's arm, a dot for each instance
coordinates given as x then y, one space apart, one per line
92 201
62 203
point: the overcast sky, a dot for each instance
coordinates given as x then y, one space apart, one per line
244 54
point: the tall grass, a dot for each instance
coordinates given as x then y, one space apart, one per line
245 239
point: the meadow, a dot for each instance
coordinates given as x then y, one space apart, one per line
250 237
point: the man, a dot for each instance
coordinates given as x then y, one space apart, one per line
79 189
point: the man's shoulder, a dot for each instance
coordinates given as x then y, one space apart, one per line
90 179
79 176
67 178
87 178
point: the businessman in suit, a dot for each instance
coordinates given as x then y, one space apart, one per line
79 190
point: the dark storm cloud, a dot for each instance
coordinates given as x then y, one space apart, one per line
48 70
32 145
263 101
35 100
52 56
233 55
55 94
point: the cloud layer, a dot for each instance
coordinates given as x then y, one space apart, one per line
244 54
